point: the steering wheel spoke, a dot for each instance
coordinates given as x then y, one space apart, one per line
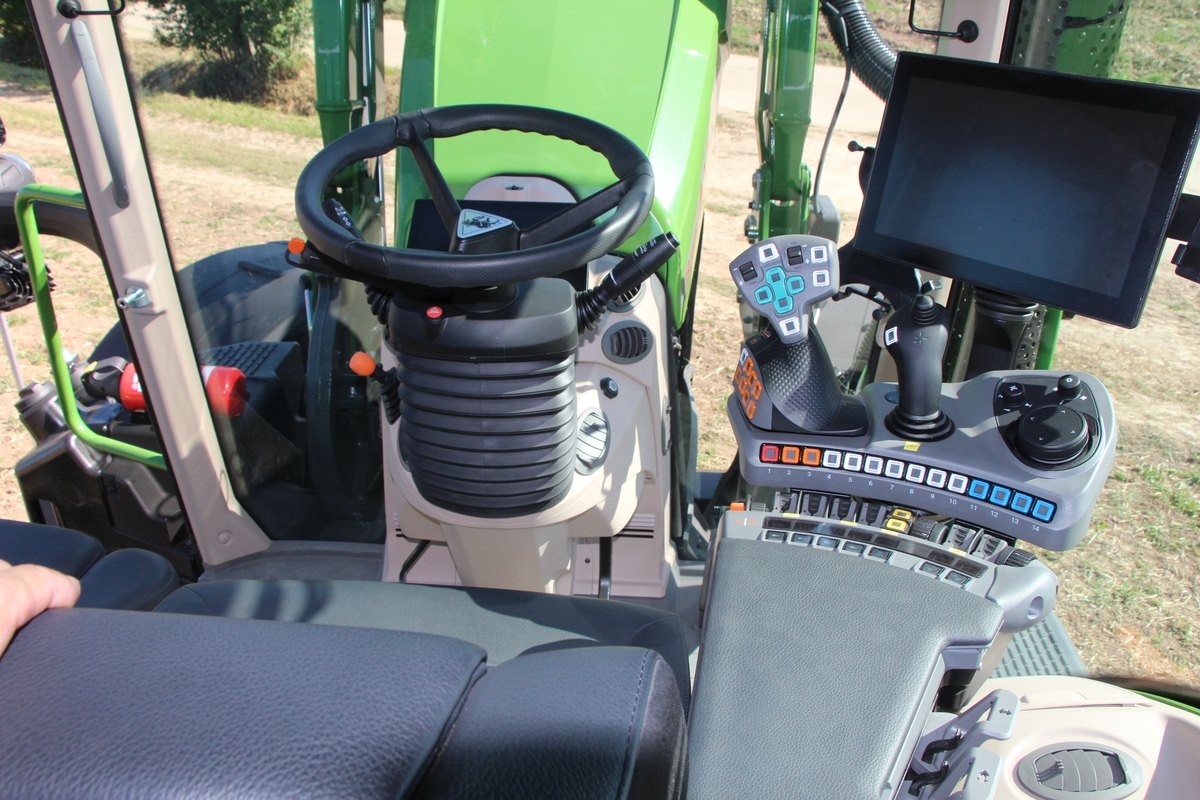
582 213
443 199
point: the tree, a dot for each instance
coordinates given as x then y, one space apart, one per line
20 39
249 44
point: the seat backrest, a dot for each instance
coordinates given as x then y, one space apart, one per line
113 703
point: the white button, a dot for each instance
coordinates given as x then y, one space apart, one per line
958 484
832 459
852 462
789 326
915 473
894 469
768 252
937 478
819 254
891 336
821 276
874 465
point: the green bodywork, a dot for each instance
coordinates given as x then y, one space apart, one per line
786 62
646 68
348 56
40 279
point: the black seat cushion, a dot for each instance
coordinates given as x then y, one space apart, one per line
132 580
595 722
67 551
504 623
100 704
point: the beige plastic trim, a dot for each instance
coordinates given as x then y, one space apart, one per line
991 17
135 249
1056 710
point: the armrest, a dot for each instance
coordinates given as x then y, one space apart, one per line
817 671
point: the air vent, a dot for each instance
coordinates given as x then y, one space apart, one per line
591 446
1079 771
627 342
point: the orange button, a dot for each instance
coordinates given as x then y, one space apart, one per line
812 457
737 506
791 455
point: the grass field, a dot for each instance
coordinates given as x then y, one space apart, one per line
1130 594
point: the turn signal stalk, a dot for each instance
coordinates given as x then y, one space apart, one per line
636 267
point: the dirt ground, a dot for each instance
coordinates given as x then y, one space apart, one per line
1130 594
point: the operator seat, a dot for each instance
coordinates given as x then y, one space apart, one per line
504 623
100 704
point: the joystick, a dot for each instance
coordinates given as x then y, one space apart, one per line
916 339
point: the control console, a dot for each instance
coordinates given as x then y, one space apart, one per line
1023 454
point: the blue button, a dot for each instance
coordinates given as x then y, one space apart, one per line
763 294
979 490
1043 510
784 304
1021 503
1000 495
795 284
777 280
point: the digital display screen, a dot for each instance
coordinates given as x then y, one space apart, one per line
1052 187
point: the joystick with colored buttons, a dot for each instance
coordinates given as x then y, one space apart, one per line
783 277
915 337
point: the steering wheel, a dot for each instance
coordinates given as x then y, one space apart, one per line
546 249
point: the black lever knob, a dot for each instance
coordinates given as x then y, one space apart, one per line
1069 387
916 339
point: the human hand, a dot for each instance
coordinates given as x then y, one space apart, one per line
26 591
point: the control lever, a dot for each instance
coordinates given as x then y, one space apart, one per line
632 270
915 336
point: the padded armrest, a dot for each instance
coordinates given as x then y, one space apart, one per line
100 704
815 669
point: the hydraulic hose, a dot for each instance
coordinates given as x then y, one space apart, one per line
868 54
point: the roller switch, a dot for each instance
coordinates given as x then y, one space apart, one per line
1053 434
1069 386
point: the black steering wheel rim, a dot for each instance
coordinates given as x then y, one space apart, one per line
390 267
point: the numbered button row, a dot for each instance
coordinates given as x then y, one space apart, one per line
900 470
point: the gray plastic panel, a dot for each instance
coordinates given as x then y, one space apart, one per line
1024 594
813 677
1044 649
976 451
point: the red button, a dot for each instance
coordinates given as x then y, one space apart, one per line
769 454
434 312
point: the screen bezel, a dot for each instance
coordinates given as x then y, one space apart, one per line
1126 308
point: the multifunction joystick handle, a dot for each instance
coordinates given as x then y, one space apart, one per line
915 336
